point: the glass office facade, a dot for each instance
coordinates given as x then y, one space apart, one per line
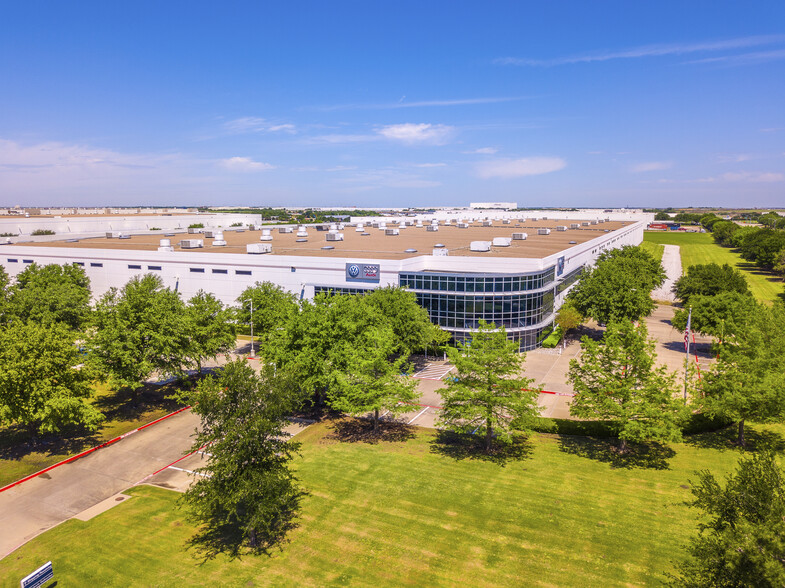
522 304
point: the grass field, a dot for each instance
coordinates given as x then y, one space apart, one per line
19 457
699 248
655 249
414 511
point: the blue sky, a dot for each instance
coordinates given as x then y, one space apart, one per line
392 103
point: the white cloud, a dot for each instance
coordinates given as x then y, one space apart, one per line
419 104
483 151
428 165
648 166
253 124
245 164
743 59
335 139
514 168
411 133
745 176
772 130
646 51
735 157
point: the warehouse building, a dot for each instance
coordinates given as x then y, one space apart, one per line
510 271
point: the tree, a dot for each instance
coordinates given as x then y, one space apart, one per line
722 232
762 247
41 385
5 280
662 216
409 321
245 499
208 328
139 330
373 380
708 280
568 318
273 307
747 381
488 392
615 380
779 262
618 286
742 543
721 316
51 294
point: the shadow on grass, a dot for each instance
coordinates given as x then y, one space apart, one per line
355 430
651 456
461 446
725 439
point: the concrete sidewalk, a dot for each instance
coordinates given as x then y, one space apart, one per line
51 498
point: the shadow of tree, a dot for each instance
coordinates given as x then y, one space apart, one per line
358 430
461 446
725 439
650 456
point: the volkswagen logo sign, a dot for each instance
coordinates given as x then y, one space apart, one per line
354 270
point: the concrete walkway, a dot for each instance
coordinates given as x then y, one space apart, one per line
671 263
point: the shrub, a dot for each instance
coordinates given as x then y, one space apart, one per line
38 232
196 226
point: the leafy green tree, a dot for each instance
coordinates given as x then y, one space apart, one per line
273 308
709 220
748 382
41 386
762 247
662 216
708 280
779 262
208 328
721 316
245 498
373 379
742 543
616 380
139 330
722 232
618 286
51 294
568 318
742 234
488 392
409 321
5 280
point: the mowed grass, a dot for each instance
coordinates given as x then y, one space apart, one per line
21 456
412 512
654 249
700 248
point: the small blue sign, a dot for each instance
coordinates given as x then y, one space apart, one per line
39 577
560 266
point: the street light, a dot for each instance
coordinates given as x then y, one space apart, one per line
251 356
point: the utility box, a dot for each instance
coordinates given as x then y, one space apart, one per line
191 243
258 248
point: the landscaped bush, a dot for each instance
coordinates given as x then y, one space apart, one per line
553 339
7 234
196 226
38 232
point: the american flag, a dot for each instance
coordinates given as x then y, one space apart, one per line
687 332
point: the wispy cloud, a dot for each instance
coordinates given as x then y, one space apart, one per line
515 168
735 157
418 103
483 151
648 166
412 133
253 124
429 165
772 130
244 164
743 58
646 51
745 176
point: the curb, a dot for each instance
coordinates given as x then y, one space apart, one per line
88 451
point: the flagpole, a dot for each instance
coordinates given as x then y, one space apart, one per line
687 350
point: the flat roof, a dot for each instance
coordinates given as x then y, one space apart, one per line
377 244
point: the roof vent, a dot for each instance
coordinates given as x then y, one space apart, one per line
365 234
573 242
328 247
439 245
410 251
301 240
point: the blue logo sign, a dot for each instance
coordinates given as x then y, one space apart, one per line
353 270
362 272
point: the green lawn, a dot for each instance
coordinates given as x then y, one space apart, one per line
655 249
20 457
414 512
699 248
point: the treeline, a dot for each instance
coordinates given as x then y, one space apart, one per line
765 246
283 215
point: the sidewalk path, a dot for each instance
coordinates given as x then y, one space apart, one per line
671 263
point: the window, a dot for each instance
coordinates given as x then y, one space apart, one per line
131 266
220 271
242 272
79 263
154 268
13 260
93 264
27 261
196 270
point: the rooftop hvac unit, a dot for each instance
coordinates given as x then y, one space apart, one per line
165 243
432 228
219 239
519 236
266 236
585 224
257 248
375 224
480 246
594 222
285 229
543 231
113 234
6 241
191 243
441 252
335 236
419 224
302 232
506 221
391 232
333 227
487 223
322 227
360 228
561 228
195 231
600 221
544 218
124 236
574 225
463 225
382 226
165 248
502 241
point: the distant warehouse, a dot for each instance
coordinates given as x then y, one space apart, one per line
512 271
